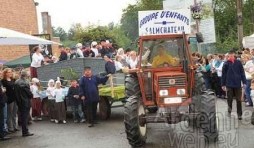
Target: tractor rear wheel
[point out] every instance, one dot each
(132, 86)
(136, 134)
(207, 117)
(104, 108)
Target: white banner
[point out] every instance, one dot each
(164, 22)
(207, 26)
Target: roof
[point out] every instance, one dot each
(24, 61)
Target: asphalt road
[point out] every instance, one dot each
(111, 134)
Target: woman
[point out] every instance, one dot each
(206, 70)
(218, 67)
(118, 63)
(249, 69)
(37, 59)
(120, 52)
(12, 109)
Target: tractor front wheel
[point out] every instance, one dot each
(132, 86)
(136, 134)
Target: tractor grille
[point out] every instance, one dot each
(179, 81)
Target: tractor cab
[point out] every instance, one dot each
(164, 76)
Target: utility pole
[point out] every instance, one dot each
(197, 29)
(240, 23)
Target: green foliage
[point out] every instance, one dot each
(59, 32)
(69, 74)
(93, 33)
(226, 23)
(97, 33)
(69, 43)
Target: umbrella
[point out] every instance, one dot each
(11, 37)
(25, 61)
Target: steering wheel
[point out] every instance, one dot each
(165, 64)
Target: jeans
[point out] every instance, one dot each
(12, 110)
(1, 121)
(77, 110)
(247, 92)
(207, 82)
(5, 129)
(220, 92)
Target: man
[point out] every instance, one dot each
(105, 49)
(24, 96)
(74, 53)
(63, 55)
(110, 65)
(232, 77)
(163, 59)
(94, 49)
(89, 93)
(79, 50)
(88, 52)
(2, 104)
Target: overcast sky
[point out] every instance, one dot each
(65, 12)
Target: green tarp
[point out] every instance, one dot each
(119, 92)
(24, 61)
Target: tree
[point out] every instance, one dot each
(73, 30)
(111, 26)
(226, 22)
(59, 32)
(92, 33)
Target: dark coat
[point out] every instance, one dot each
(88, 87)
(10, 92)
(2, 96)
(71, 92)
(87, 53)
(233, 74)
(63, 56)
(110, 67)
(104, 51)
(23, 93)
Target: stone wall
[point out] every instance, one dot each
(18, 15)
(53, 71)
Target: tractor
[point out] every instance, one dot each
(164, 88)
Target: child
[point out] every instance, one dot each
(51, 100)
(88, 90)
(60, 105)
(76, 102)
(36, 100)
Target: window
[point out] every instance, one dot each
(162, 52)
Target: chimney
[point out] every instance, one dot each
(46, 23)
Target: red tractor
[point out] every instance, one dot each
(160, 86)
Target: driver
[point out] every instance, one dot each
(162, 59)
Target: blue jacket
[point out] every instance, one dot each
(233, 74)
(88, 87)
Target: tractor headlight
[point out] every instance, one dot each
(163, 92)
(180, 91)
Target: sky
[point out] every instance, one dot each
(66, 12)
